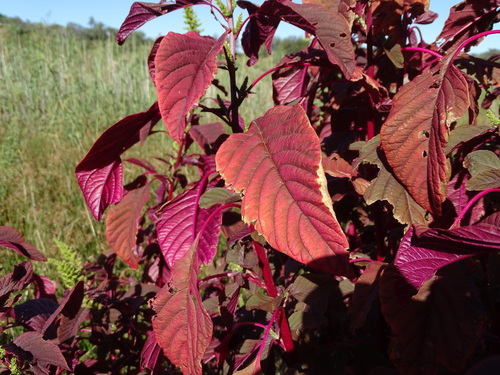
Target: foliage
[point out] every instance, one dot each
(333, 234)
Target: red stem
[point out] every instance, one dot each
(420, 49)
(474, 199)
(201, 189)
(286, 335)
(243, 24)
(266, 269)
(212, 215)
(271, 71)
(471, 39)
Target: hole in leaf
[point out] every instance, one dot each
(343, 35)
(424, 154)
(332, 44)
(435, 85)
(423, 133)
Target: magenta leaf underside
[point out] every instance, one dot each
(100, 173)
(177, 228)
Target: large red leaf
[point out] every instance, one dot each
(100, 173)
(122, 224)
(182, 326)
(185, 66)
(284, 188)
(141, 12)
(12, 239)
(180, 222)
(416, 131)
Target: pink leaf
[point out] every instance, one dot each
(122, 224)
(416, 131)
(284, 188)
(179, 224)
(100, 173)
(420, 256)
(185, 66)
(182, 326)
(289, 82)
(14, 240)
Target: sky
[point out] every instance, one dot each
(113, 12)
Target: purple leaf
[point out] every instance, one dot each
(14, 240)
(185, 67)
(152, 354)
(100, 172)
(180, 222)
(16, 280)
(205, 135)
(260, 30)
(40, 353)
(151, 59)
(289, 82)
(141, 12)
(420, 256)
(69, 306)
(44, 287)
(34, 312)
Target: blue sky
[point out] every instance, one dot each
(113, 12)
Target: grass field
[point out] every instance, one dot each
(58, 93)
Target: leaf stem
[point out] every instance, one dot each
(420, 49)
(201, 189)
(286, 335)
(474, 199)
(471, 39)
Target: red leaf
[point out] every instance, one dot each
(141, 12)
(259, 31)
(39, 352)
(466, 19)
(417, 128)
(180, 222)
(289, 82)
(100, 173)
(16, 280)
(333, 33)
(12, 239)
(420, 256)
(284, 188)
(205, 135)
(182, 326)
(122, 224)
(185, 67)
